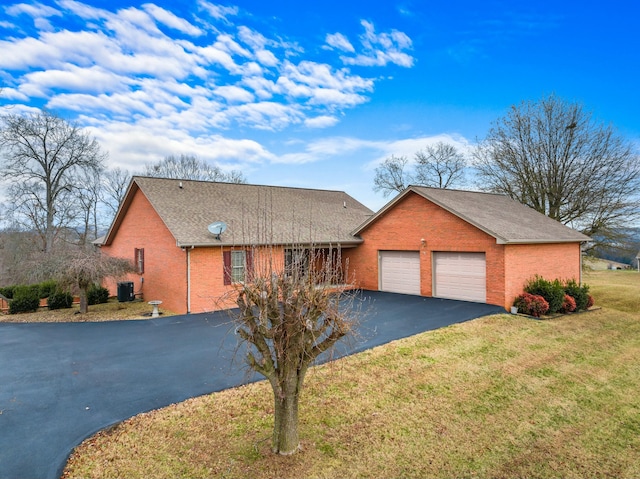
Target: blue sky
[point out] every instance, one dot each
(312, 94)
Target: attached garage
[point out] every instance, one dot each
(400, 271)
(464, 245)
(460, 276)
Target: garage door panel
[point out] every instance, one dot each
(400, 272)
(460, 276)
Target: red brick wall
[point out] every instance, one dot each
(413, 219)
(165, 264)
(551, 261)
(208, 291)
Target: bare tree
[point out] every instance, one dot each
(391, 176)
(553, 156)
(88, 195)
(288, 317)
(42, 156)
(438, 166)
(188, 167)
(114, 186)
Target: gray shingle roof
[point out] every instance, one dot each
(254, 214)
(497, 215)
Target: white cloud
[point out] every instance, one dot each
(379, 49)
(146, 80)
(325, 149)
(339, 41)
(323, 121)
(35, 10)
(171, 20)
(218, 12)
(234, 94)
(133, 146)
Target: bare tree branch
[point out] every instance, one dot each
(187, 167)
(553, 156)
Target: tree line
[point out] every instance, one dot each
(59, 195)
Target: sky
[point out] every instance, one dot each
(312, 94)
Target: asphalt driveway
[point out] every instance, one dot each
(60, 383)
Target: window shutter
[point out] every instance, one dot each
(249, 265)
(226, 260)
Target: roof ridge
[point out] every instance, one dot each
(240, 184)
(460, 191)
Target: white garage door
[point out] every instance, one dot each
(400, 272)
(460, 276)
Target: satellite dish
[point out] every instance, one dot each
(217, 228)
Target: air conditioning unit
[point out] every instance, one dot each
(125, 291)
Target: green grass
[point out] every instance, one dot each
(500, 396)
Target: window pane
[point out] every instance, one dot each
(238, 262)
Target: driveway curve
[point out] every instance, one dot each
(62, 382)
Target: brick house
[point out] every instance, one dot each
(162, 225)
(432, 242)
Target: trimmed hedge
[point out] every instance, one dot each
(97, 295)
(59, 300)
(47, 288)
(26, 299)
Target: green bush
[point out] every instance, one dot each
(47, 288)
(7, 291)
(551, 291)
(26, 299)
(579, 293)
(59, 300)
(97, 295)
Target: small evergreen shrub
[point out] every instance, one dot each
(47, 288)
(531, 304)
(579, 293)
(97, 295)
(59, 300)
(7, 291)
(26, 299)
(569, 305)
(551, 291)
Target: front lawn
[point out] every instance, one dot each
(501, 396)
(112, 310)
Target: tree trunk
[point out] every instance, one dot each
(285, 439)
(84, 303)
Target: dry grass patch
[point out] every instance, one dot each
(615, 289)
(113, 310)
(500, 396)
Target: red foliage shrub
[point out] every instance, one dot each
(568, 305)
(532, 304)
(590, 301)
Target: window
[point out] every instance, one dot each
(296, 261)
(138, 259)
(238, 266)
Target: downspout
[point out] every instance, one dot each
(189, 280)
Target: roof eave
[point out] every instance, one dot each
(321, 244)
(541, 241)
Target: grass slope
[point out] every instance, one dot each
(501, 396)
